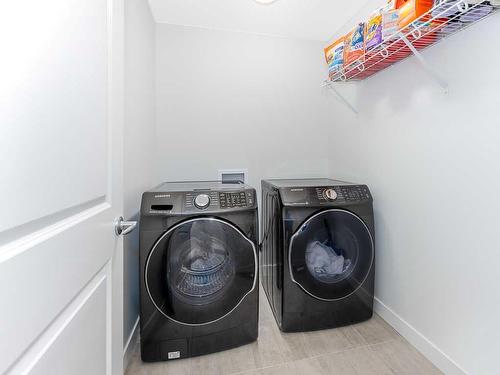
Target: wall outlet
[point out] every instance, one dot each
(233, 175)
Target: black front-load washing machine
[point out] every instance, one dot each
(198, 269)
(318, 252)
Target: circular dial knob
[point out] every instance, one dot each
(202, 201)
(330, 194)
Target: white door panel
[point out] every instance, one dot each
(61, 114)
(76, 343)
(53, 137)
(41, 276)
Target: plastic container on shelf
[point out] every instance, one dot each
(417, 22)
(411, 10)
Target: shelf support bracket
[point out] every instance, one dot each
(428, 69)
(341, 97)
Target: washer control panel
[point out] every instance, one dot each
(215, 200)
(236, 199)
(201, 200)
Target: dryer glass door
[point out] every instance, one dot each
(200, 270)
(331, 254)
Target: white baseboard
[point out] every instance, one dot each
(128, 350)
(419, 341)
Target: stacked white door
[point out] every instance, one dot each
(61, 78)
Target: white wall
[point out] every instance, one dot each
(432, 161)
(139, 139)
(229, 100)
(238, 100)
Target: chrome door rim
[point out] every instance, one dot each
(292, 238)
(171, 230)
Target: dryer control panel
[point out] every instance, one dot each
(325, 195)
(354, 193)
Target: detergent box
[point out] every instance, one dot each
(354, 49)
(390, 23)
(334, 56)
(373, 33)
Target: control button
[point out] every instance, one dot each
(202, 201)
(331, 194)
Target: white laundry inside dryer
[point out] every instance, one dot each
(323, 261)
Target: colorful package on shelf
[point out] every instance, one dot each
(334, 55)
(374, 31)
(375, 59)
(390, 23)
(398, 14)
(410, 10)
(393, 32)
(354, 49)
(425, 29)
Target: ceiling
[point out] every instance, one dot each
(304, 19)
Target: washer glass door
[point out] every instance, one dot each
(200, 270)
(331, 254)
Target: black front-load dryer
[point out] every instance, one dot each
(198, 269)
(318, 252)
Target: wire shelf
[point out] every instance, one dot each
(446, 18)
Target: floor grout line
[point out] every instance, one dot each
(340, 351)
(286, 353)
(364, 344)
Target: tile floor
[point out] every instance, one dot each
(371, 347)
